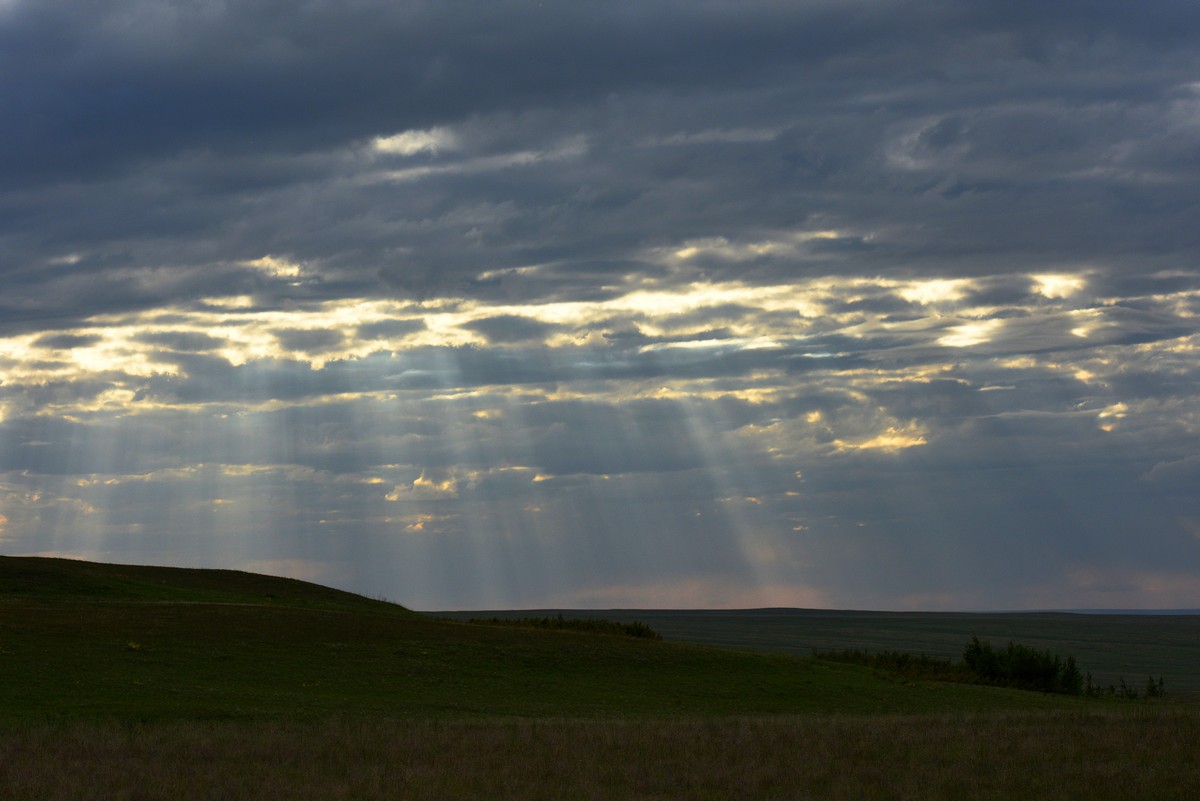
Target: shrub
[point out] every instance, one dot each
(1023, 667)
(1155, 688)
(1016, 666)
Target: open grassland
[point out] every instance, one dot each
(1110, 646)
(104, 641)
(1118, 756)
(151, 661)
(150, 683)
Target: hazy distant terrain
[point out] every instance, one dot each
(1110, 645)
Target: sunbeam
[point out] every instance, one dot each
(550, 317)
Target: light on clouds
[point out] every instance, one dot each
(481, 308)
(973, 333)
(409, 143)
(937, 290)
(1059, 286)
(275, 267)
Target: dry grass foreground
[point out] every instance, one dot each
(1134, 754)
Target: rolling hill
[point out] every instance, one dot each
(87, 640)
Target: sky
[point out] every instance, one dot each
(480, 304)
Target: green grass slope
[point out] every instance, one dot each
(86, 641)
(30, 579)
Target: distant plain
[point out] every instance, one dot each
(1110, 645)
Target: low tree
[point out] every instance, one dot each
(1023, 667)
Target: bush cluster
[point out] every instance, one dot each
(1023, 667)
(1017, 666)
(592, 625)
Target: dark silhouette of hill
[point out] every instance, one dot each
(64, 580)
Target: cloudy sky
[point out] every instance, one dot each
(479, 303)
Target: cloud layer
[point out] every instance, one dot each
(497, 304)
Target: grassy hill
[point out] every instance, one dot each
(26, 579)
(122, 682)
(84, 640)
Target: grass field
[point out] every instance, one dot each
(148, 683)
(1111, 646)
(134, 644)
(1099, 756)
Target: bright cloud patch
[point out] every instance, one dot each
(973, 333)
(410, 143)
(895, 438)
(424, 489)
(1059, 286)
(276, 267)
(935, 290)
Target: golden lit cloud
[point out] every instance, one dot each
(973, 333)
(1109, 416)
(275, 267)
(750, 316)
(229, 302)
(895, 438)
(1088, 320)
(1058, 285)
(424, 488)
(723, 248)
(420, 522)
(937, 290)
(719, 247)
(410, 143)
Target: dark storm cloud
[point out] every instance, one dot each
(511, 328)
(182, 341)
(310, 341)
(154, 136)
(389, 329)
(148, 79)
(67, 341)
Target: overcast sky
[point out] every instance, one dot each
(642, 303)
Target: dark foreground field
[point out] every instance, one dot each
(1136, 754)
(148, 683)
